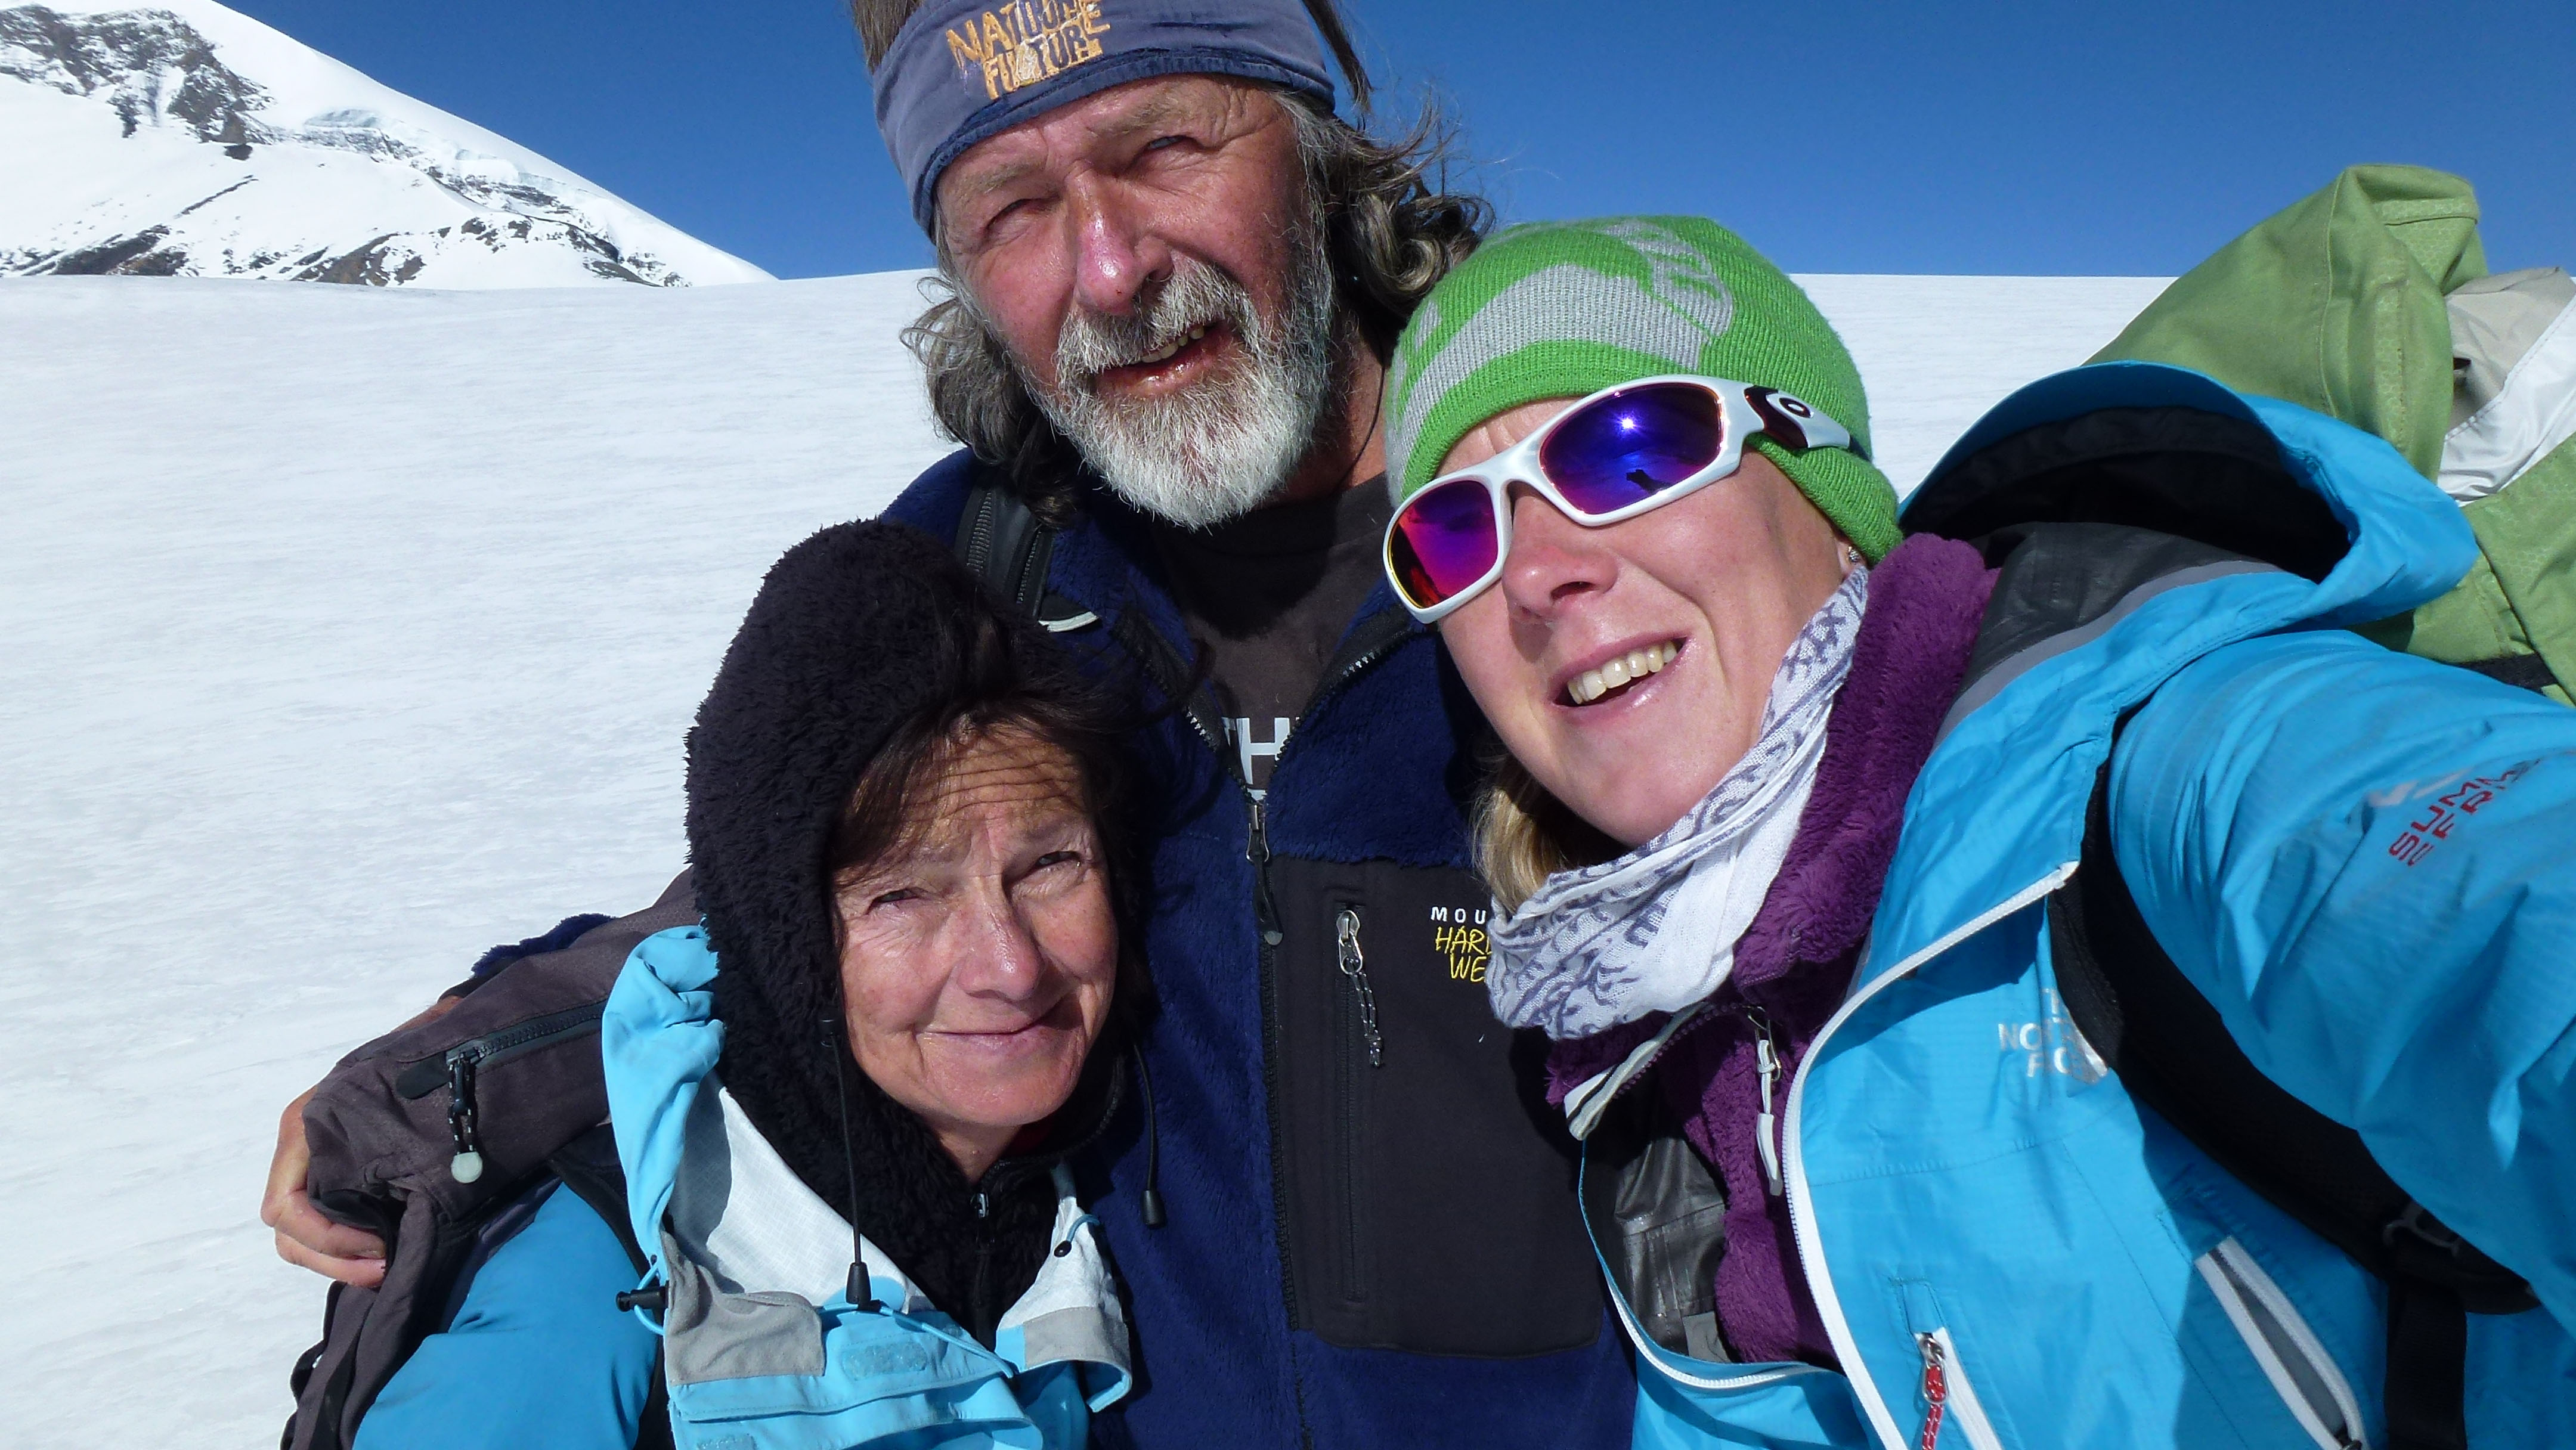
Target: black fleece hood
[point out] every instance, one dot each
(856, 632)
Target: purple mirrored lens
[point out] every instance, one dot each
(1633, 444)
(1444, 540)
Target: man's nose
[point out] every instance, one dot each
(1116, 255)
(1554, 560)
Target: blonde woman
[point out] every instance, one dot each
(1842, 869)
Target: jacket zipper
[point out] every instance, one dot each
(1936, 1392)
(1802, 1213)
(1155, 653)
(1948, 1396)
(983, 1282)
(979, 541)
(1357, 1012)
(458, 1068)
(1266, 913)
(1354, 964)
(1766, 1067)
(2282, 1344)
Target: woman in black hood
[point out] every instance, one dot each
(880, 743)
(843, 1103)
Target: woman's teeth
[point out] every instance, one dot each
(1184, 340)
(1635, 665)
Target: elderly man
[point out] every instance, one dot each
(1175, 275)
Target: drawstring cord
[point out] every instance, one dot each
(862, 1298)
(862, 1295)
(1153, 1201)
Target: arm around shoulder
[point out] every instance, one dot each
(2367, 862)
(351, 1131)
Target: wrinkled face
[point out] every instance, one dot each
(1697, 601)
(979, 951)
(1147, 258)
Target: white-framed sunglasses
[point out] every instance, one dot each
(1612, 456)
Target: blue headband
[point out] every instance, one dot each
(962, 70)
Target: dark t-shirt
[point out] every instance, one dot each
(1268, 597)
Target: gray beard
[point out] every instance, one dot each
(1228, 444)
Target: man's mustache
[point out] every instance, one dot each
(1196, 297)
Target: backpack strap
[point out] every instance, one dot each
(588, 1166)
(1005, 544)
(2174, 1053)
(2527, 672)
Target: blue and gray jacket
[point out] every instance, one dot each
(762, 1347)
(755, 1336)
(2361, 859)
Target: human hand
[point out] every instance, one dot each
(305, 1237)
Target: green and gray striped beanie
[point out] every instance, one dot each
(1561, 309)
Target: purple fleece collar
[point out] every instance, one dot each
(1795, 962)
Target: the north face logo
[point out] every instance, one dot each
(1026, 41)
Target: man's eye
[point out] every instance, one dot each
(889, 898)
(1005, 219)
(1159, 142)
(1056, 858)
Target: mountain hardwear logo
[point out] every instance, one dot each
(1027, 41)
(1458, 935)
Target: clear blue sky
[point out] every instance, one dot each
(2061, 137)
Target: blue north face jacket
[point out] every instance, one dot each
(2365, 861)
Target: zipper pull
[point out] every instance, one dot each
(983, 1205)
(1766, 1065)
(1256, 849)
(1346, 935)
(467, 1165)
(1936, 1391)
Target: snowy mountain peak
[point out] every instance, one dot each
(183, 138)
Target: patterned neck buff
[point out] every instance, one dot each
(1655, 930)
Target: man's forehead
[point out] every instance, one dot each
(1111, 115)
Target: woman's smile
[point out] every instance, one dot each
(1056, 1029)
(1618, 674)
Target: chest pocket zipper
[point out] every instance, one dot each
(1948, 1397)
(1351, 1111)
(1346, 938)
(2289, 1352)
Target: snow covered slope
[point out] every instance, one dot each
(351, 631)
(177, 137)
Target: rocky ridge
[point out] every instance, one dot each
(170, 157)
